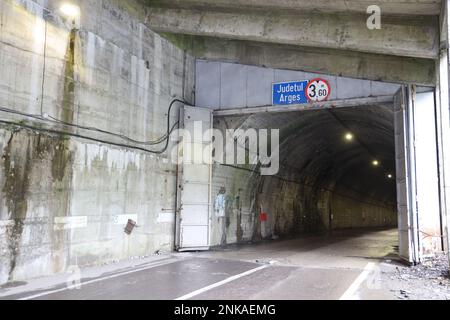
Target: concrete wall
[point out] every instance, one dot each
(64, 200)
(350, 212)
(222, 85)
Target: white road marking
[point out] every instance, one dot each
(156, 264)
(221, 283)
(350, 293)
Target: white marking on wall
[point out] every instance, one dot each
(133, 80)
(166, 217)
(90, 56)
(114, 158)
(35, 75)
(141, 38)
(157, 58)
(69, 223)
(123, 219)
(117, 64)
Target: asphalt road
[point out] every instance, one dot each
(315, 268)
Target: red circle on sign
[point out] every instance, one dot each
(318, 80)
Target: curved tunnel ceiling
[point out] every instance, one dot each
(313, 149)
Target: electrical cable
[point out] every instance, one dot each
(54, 120)
(48, 118)
(165, 138)
(58, 132)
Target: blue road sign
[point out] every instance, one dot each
(287, 93)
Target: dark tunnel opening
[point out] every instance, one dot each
(337, 172)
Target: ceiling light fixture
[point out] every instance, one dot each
(70, 10)
(349, 137)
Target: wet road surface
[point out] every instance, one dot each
(317, 268)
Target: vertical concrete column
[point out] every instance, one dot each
(443, 118)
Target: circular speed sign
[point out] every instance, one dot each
(318, 90)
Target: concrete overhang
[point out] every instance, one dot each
(326, 61)
(409, 36)
(329, 37)
(404, 7)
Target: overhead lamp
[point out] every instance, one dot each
(70, 10)
(390, 176)
(349, 137)
(376, 163)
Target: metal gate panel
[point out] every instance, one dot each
(420, 227)
(194, 181)
(427, 174)
(404, 201)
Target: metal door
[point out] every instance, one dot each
(405, 179)
(420, 225)
(194, 180)
(427, 173)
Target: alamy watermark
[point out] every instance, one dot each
(254, 147)
(374, 20)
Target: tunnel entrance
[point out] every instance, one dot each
(364, 158)
(337, 172)
(340, 169)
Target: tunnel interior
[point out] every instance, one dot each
(337, 172)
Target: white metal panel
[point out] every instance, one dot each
(194, 238)
(194, 181)
(195, 193)
(443, 121)
(193, 215)
(427, 174)
(198, 172)
(420, 227)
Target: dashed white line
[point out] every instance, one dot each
(221, 283)
(350, 293)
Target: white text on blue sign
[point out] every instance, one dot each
(287, 93)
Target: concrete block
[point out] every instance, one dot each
(383, 88)
(352, 88)
(289, 75)
(259, 86)
(233, 85)
(208, 84)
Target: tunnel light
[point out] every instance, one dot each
(70, 10)
(390, 176)
(349, 137)
(376, 163)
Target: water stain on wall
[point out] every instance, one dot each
(15, 190)
(32, 160)
(67, 111)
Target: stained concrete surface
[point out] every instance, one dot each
(66, 201)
